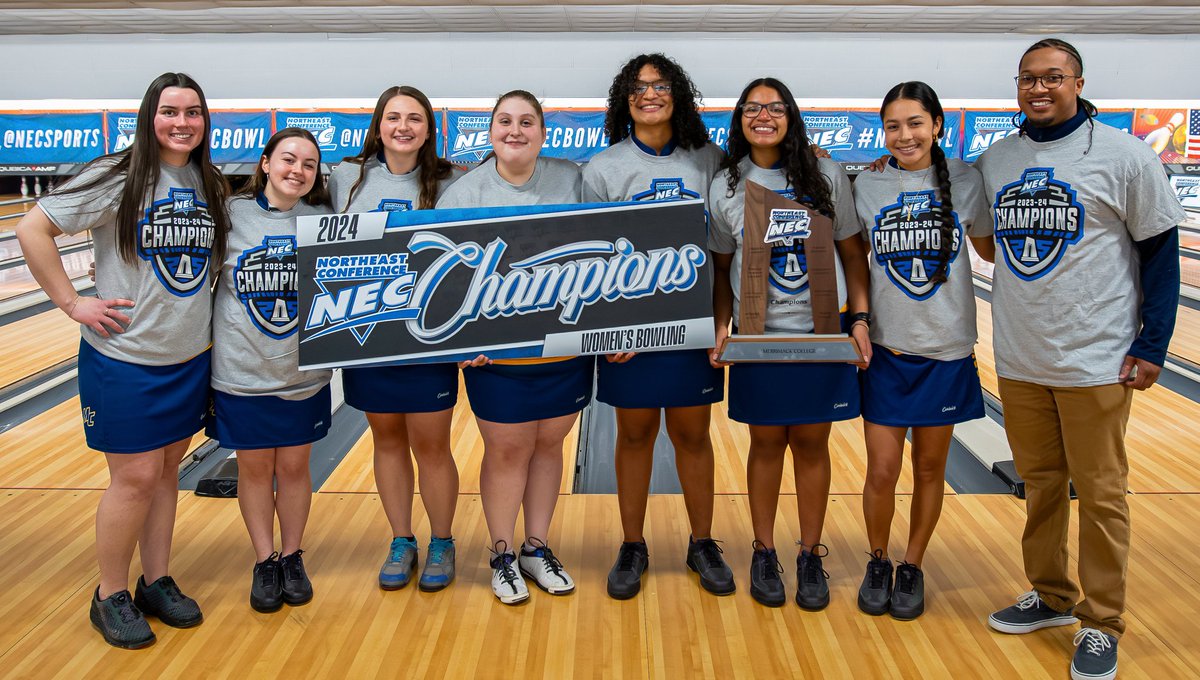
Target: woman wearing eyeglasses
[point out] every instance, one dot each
(659, 152)
(786, 404)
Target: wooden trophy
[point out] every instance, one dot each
(770, 218)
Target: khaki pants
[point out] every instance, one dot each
(1078, 434)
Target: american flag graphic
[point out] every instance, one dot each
(1192, 146)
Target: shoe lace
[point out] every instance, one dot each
(553, 565)
(1096, 641)
(711, 552)
(810, 566)
(626, 556)
(906, 577)
(399, 547)
(125, 608)
(1028, 600)
(877, 569)
(268, 569)
(768, 561)
(293, 566)
(437, 550)
(172, 591)
(502, 560)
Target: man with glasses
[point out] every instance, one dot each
(1084, 295)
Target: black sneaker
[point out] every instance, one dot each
(297, 589)
(704, 558)
(625, 577)
(765, 585)
(813, 591)
(1095, 655)
(1027, 615)
(266, 589)
(163, 599)
(908, 598)
(119, 621)
(875, 593)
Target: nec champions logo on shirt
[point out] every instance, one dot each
(907, 239)
(176, 237)
(1037, 219)
(265, 281)
(393, 205)
(666, 189)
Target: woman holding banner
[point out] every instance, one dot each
(263, 406)
(659, 150)
(768, 145)
(144, 359)
(408, 407)
(915, 213)
(524, 407)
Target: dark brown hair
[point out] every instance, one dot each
(317, 195)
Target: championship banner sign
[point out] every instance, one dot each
(517, 282)
(43, 138)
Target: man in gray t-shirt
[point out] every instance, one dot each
(1084, 298)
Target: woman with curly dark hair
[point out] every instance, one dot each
(659, 152)
(768, 145)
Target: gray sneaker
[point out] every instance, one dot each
(120, 621)
(401, 561)
(1027, 615)
(1095, 655)
(439, 565)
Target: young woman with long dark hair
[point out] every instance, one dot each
(156, 213)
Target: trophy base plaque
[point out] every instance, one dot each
(789, 348)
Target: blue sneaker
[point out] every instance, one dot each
(439, 565)
(398, 568)
(1095, 655)
(1027, 615)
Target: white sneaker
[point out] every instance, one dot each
(538, 562)
(507, 583)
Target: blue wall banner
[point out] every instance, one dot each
(50, 137)
(239, 136)
(857, 136)
(574, 134)
(119, 127)
(982, 128)
(717, 122)
(339, 133)
(467, 136)
(528, 281)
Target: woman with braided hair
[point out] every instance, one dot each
(922, 375)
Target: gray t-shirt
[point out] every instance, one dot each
(1066, 298)
(380, 189)
(255, 320)
(624, 172)
(900, 218)
(554, 181)
(169, 282)
(789, 308)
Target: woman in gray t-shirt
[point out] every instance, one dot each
(409, 408)
(264, 406)
(156, 212)
(917, 214)
(524, 407)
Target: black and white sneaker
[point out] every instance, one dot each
(765, 585)
(507, 584)
(1095, 655)
(120, 621)
(875, 593)
(1027, 615)
(813, 591)
(625, 577)
(539, 563)
(908, 597)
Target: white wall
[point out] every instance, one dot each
(575, 65)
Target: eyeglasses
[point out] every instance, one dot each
(1051, 81)
(660, 88)
(774, 109)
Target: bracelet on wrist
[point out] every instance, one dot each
(864, 317)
